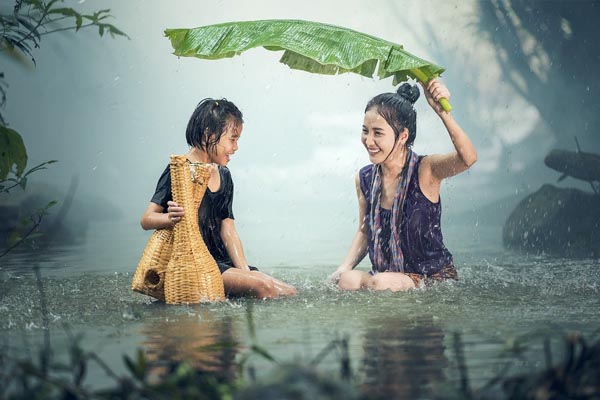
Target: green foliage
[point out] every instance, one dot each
(21, 179)
(28, 379)
(12, 153)
(22, 31)
(28, 228)
(574, 376)
(13, 160)
(308, 46)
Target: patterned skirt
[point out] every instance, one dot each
(448, 272)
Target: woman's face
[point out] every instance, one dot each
(227, 144)
(378, 138)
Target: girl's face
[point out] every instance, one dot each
(378, 138)
(227, 144)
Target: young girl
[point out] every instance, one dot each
(399, 196)
(212, 133)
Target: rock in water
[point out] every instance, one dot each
(561, 222)
(580, 165)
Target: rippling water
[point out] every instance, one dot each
(399, 343)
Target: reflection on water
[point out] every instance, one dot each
(403, 358)
(202, 341)
(398, 341)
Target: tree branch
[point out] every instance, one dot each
(36, 224)
(39, 23)
(66, 29)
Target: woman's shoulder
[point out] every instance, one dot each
(365, 177)
(367, 169)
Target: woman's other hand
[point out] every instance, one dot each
(335, 277)
(434, 91)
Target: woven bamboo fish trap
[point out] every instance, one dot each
(176, 266)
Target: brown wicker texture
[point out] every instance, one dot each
(149, 276)
(192, 273)
(176, 265)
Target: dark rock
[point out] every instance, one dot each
(562, 222)
(579, 165)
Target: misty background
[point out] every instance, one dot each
(113, 110)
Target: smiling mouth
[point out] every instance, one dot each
(373, 151)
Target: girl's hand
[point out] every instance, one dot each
(434, 91)
(174, 212)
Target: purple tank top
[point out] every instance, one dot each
(420, 228)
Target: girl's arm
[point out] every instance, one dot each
(443, 166)
(233, 244)
(154, 218)
(358, 248)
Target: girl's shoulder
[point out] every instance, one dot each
(225, 175)
(224, 171)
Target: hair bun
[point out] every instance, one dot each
(409, 92)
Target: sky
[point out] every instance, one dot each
(113, 110)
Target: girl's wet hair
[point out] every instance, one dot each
(398, 111)
(209, 121)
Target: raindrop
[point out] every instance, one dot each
(128, 314)
(30, 325)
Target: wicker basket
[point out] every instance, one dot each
(149, 277)
(176, 266)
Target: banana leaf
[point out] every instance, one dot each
(309, 46)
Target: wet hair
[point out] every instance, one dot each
(398, 110)
(209, 121)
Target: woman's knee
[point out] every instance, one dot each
(351, 280)
(383, 282)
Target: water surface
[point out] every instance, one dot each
(501, 296)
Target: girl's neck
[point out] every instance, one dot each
(198, 155)
(394, 165)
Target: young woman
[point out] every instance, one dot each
(212, 133)
(399, 196)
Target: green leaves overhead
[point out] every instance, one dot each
(96, 19)
(308, 46)
(21, 30)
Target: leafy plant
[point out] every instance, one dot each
(20, 33)
(28, 228)
(13, 160)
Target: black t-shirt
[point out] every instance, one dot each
(214, 208)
